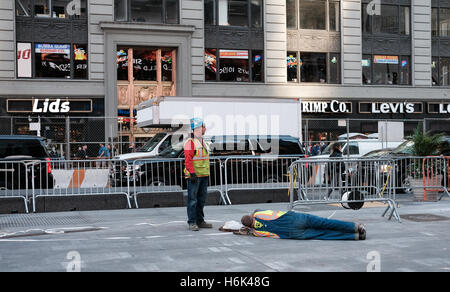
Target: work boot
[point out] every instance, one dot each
(362, 231)
(205, 225)
(193, 227)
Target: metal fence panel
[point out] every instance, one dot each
(349, 182)
(16, 180)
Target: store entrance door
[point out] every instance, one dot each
(142, 74)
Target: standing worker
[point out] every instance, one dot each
(196, 171)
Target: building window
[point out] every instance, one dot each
(144, 64)
(43, 60)
(257, 66)
(149, 11)
(444, 71)
(291, 14)
(334, 66)
(441, 71)
(313, 14)
(80, 61)
(24, 7)
(441, 22)
(292, 67)
(210, 64)
(234, 65)
(334, 16)
(247, 13)
(314, 67)
(386, 70)
(392, 19)
(52, 60)
(51, 8)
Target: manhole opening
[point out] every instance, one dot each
(424, 217)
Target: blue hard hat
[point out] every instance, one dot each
(196, 122)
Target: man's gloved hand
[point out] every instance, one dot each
(193, 178)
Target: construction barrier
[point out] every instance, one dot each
(83, 178)
(167, 176)
(347, 182)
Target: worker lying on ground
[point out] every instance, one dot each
(293, 225)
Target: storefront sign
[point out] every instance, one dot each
(326, 107)
(49, 106)
(390, 107)
(52, 49)
(24, 60)
(378, 59)
(234, 54)
(438, 108)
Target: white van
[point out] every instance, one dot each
(155, 145)
(359, 147)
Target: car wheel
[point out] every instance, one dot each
(406, 186)
(157, 182)
(272, 179)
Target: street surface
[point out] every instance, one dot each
(158, 240)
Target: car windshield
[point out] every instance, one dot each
(33, 148)
(172, 151)
(378, 153)
(327, 150)
(152, 143)
(404, 148)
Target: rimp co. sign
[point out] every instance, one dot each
(324, 107)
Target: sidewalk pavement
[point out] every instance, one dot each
(158, 239)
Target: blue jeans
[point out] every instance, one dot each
(313, 227)
(196, 199)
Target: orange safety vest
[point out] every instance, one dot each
(260, 217)
(200, 160)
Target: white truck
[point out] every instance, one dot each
(222, 116)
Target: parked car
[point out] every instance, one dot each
(403, 165)
(378, 153)
(19, 154)
(167, 169)
(401, 157)
(359, 147)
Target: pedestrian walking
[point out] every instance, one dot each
(196, 153)
(334, 169)
(294, 225)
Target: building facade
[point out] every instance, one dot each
(362, 60)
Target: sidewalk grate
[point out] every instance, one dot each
(34, 220)
(424, 217)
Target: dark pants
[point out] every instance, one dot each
(313, 227)
(196, 199)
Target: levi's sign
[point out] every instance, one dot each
(391, 107)
(49, 106)
(333, 106)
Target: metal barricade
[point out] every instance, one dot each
(167, 176)
(64, 178)
(349, 182)
(265, 172)
(425, 177)
(16, 180)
